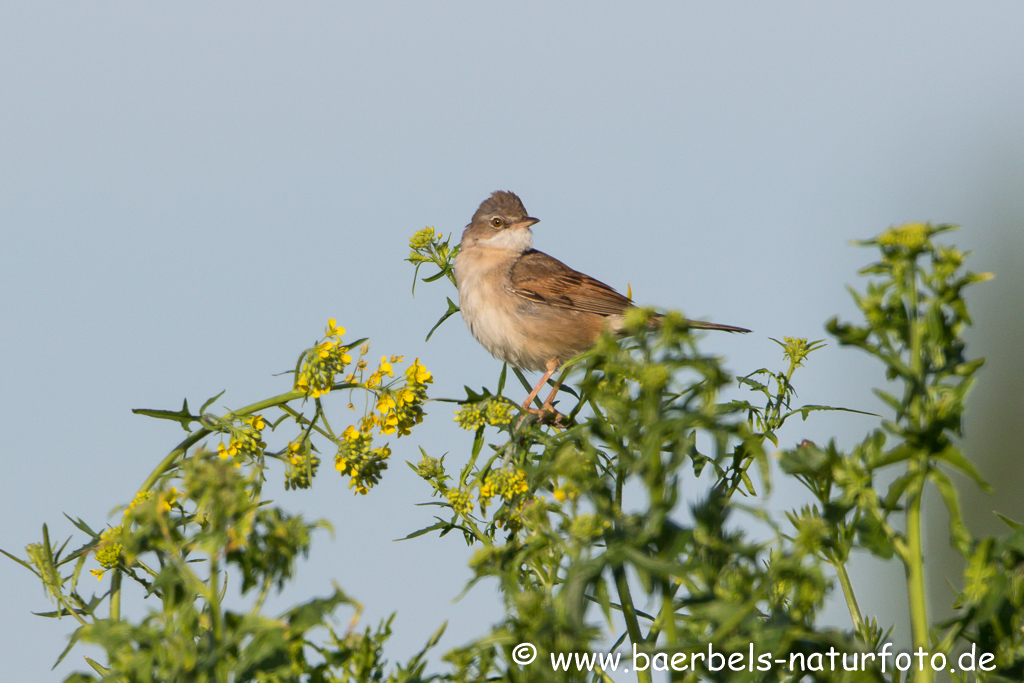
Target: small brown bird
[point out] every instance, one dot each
(527, 308)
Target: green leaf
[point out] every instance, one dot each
(874, 538)
(1016, 526)
(313, 613)
(808, 409)
(209, 402)
(898, 488)
(955, 458)
(438, 275)
(71, 643)
(82, 526)
(501, 378)
(183, 416)
(452, 310)
(23, 563)
(960, 537)
(433, 527)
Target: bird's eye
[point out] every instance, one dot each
(497, 222)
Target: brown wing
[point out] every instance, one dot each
(543, 279)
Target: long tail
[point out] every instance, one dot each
(697, 325)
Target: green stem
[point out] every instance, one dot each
(851, 598)
(622, 585)
(914, 562)
(913, 557)
(168, 462)
(629, 613)
(214, 600)
(115, 596)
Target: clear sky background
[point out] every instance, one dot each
(188, 191)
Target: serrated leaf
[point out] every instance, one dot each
(82, 526)
(183, 416)
(808, 409)
(427, 530)
(310, 614)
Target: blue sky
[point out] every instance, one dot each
(188, 192)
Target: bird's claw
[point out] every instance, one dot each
(546, 414)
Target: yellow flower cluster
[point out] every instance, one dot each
(421, 242)
(300, 466)
(588, 527)
(910, 236)
(796, 349)
(360, 462)
(318, 368)
(108, 551)
(460, 500)
(246, 441)
(511, 486)
(566, 492)
(167, 499)
(430, 468)
(140, 497)
(402, 409)
(494, 411)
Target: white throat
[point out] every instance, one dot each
(516, 240)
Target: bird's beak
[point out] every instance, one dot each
(525, 223)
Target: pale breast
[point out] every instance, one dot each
(490, 309)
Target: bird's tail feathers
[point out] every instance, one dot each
(697, 325)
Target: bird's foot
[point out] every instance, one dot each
(546, 415)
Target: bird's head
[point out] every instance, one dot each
(501, 222)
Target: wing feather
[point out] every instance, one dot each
(544, 279)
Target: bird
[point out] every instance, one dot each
(525, 307)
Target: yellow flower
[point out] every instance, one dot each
(334, 329)
(295, 452)
(385, 367)
(385, 404)
(228, 451)
(140, 497)
(460, 501)
(167, 499)
(323, 349)
(257, 422)
(418, 374)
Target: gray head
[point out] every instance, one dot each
(501, 204)
(500, 222)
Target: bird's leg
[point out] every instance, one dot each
(551, 367)
(549, 401)
(546, 408)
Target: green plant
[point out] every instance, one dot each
(583, 525)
